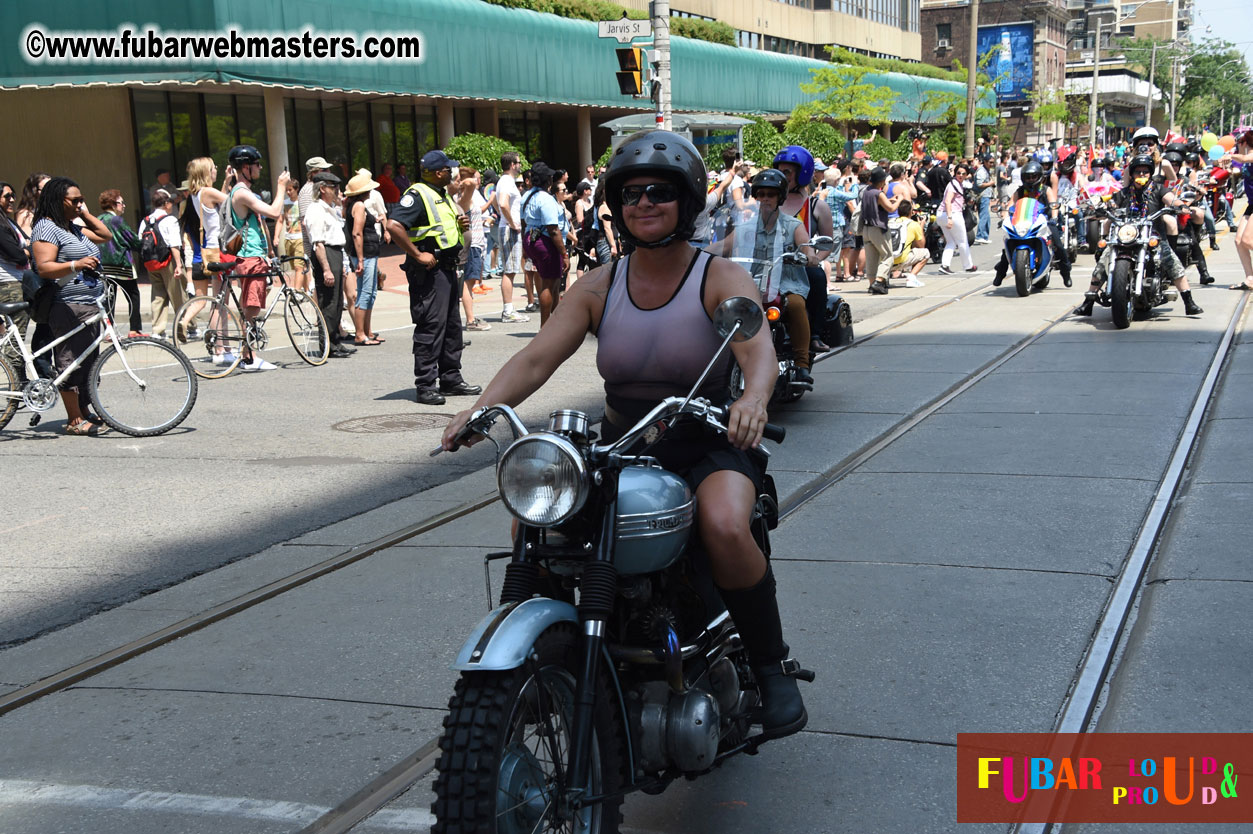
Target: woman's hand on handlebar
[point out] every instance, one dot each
(449, 441)
(746, 420)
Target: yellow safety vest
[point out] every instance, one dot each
(444, 228)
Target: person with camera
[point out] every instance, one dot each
(66, 252)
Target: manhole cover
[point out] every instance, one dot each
(386, 423)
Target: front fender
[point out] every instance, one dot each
(502, 639)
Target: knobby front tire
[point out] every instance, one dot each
(162, 402)
(499, 768)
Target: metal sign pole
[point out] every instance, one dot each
(661, 61)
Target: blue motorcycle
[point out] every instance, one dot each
(1029, 245)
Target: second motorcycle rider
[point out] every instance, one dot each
(651, 314)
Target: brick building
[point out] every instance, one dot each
(1038, 29)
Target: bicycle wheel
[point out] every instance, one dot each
(10, 395)
(307, 328)
(219, 344)
(146, 389)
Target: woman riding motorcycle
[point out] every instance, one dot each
(1036, 187)
(1142, 197)
(772, 233)
(651, 314)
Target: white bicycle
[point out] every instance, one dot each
(141, 387)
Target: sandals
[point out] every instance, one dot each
(1243, 285)
(84, 428)
(366, 343)
(378, 340)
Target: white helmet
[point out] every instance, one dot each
(1146, 133)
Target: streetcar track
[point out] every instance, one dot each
(385, 788)
(64, 678)
(1079, 711)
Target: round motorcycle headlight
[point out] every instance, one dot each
(542, 479)
(1128, 232)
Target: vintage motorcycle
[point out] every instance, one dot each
(611, 665)
(1028, 245)
(1135, 284)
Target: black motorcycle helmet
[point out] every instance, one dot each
(1177, 148)
(769, 178)
(1067, 165)
(1139, 161)
(1032, 173)
(243, 155)
(1193, 159)
(1174, 158)
(1194, 146)
(664, 154)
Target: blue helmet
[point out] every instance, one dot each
(797, 155)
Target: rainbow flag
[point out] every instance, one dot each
(1026, 211)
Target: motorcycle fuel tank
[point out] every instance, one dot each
(655, 511)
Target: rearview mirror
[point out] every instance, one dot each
(738, 310)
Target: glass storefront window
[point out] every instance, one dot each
(336, 128)
(405, 138)
(220, 126)
(462, 120)
(188, 131)
(358, 137)
(383, 128)
(424, 131)
(152, 135)
(251, 110)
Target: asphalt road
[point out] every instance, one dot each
(949, 584)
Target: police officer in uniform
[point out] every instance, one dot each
(427, 227)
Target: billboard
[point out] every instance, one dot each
(1013, 67)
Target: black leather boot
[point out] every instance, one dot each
(1213, 243)
(1190, 307)
(755, 611)
(1201, 266)
(1085, 309)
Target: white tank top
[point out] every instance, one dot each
(648, 355)
(210, 223)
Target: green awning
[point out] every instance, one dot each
(473, 50)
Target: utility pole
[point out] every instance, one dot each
(1148, 96)
(661, 61)
(1096, 78)
(1174, 88)
(972, 79)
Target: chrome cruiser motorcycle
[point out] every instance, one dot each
(611, 665)
(1135, 284)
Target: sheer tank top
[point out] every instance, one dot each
(645, 356)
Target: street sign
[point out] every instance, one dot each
(624, 30)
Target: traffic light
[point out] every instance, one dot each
(630, 70)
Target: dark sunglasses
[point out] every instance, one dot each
(658, 193)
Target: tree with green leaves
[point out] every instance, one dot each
(1217, 79)
(842, 95)
(1139, 54)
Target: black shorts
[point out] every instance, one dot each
(693, 452)
(1248, 210)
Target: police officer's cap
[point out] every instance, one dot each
(434, 160)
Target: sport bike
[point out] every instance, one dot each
(1028, 245)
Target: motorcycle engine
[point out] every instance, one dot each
(675, 730)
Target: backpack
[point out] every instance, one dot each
(854, 213)
(898, 233)
(230, 237)
(154, 252)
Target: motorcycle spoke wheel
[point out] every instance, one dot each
(506, 745)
